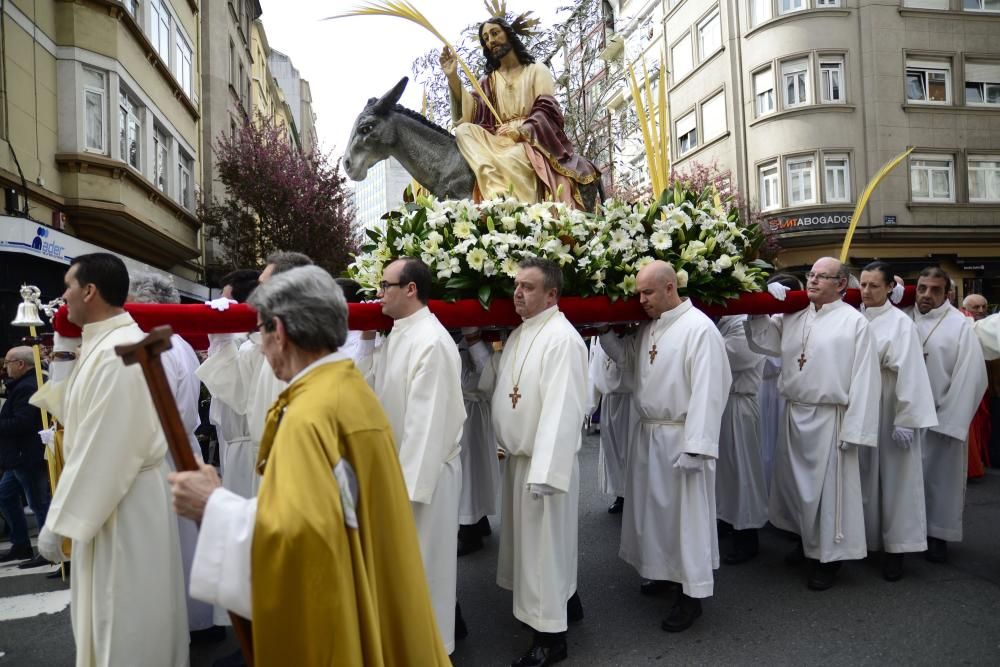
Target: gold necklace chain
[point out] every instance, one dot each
(509, 82)
(515, 396)
(806, 333)
(652, 348)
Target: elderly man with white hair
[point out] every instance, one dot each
(831, 382)
(326, 560)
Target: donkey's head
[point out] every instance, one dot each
(373, 134)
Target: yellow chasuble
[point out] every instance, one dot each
(336, 572)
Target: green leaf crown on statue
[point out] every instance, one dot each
(473, 249)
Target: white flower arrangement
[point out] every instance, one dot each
(473, 250)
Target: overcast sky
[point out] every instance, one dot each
(349, 60)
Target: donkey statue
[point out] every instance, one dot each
(427, 151)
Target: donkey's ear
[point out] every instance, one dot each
(389, 100)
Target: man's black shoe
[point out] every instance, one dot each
(823, 576)
(37, 561)
(617, 506)
(658, 588)
(682, 614)
(470, 539)
(484, 526)
(796, 556)
(892, 566)
(547, 649)
(574, 609)
(745, 547)
(211, 635)
(937, 550)
(17, 552)
(461, 630)
(723, 528)
(58, 573)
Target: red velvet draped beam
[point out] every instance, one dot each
(194, 322)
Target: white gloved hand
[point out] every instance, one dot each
(896, 295)
(537, 491)
(48, 436)
(903, 436)
(778, 291)
(50, 546)
(221, 304)
(689, 464)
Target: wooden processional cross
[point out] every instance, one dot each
(147, 353)
(802, 360)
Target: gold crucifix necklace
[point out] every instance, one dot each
(515, 396)
(806, 332)
(652, 348)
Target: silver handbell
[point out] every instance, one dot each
(27, 311)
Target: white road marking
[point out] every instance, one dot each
(33, 604)
(11, 570)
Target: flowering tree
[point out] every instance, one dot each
(278, 199)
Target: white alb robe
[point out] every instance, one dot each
(988, 331)
(892, 477)
(832, 399)
(614, 387)
(114, 503)
(417, 375)
(480, 467)
(239, 376)
(772, 413)
(541, 435)
(233, 435)
(740, 485)
(668, 526)
(957, 372)
(179, 365)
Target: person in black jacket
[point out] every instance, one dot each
(22, 465)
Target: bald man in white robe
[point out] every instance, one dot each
(831, 382)
(681, 376)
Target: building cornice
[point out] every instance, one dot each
(795, 16)
(117, 11)
(951, 14)
(89, 162)
(798, 111)
(953, 109)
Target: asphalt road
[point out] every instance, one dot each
(762, 611)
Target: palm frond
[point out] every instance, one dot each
(406, 10)
(865, 195)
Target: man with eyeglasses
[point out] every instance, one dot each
(22, 467)
(957, 372)
(417, 375)
(831, 381)
(236, 374)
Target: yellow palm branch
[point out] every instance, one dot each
(405, 10)
(647, 140)
(655, 133)
(664, 128)
(865, 195)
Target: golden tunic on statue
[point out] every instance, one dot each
(499, 162)
(336, 572)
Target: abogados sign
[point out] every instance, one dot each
(824, 220)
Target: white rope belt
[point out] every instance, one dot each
(661, 422)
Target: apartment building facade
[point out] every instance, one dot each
(298, 95)
(803, 101)
(267, 99)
